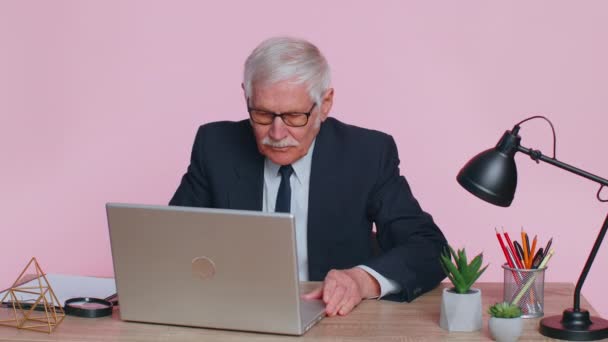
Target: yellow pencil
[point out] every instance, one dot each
(526, 286)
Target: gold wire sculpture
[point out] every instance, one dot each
(24, 316)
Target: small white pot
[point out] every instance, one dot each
(460, 311)
(506, 329)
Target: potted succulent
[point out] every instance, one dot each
(505, 323)
(461, 304)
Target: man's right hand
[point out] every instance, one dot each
(343, 290)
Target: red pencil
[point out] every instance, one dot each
(512, 247)
(509, 258)
(504, 249)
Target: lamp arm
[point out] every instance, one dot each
(590, 258)
(537, 155)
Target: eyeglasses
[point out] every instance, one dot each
(292, 119)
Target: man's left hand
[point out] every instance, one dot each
(342, 290)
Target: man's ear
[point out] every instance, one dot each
(244, 93)
(326, 103)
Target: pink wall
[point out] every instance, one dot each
(99, 101)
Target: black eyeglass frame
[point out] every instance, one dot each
(282, 115)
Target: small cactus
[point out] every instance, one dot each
(462, 273)
(504, 310)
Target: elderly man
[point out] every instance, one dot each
(337, 180)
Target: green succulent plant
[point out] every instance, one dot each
(462, 273)
(504, 310)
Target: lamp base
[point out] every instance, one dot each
(575, 326)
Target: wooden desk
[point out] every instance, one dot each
(372, 320)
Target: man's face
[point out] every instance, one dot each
(280, 143)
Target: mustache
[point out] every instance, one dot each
(286, 142)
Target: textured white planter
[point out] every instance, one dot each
(460, 312)
(506, 329)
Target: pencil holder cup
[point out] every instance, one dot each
(525, 287)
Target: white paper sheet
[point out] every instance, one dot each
(70, 286)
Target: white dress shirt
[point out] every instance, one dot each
(299, 182)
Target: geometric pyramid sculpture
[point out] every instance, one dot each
(44, 313)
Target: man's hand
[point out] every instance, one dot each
(342, 290)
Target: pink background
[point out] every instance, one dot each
(100, 101)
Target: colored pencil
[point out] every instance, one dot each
(504, 249)
(510, 258)
(525, 247)
(519, 250)
(531, 280)
(532, 252)
(512, 247)
(548, 246)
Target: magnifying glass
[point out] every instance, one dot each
(88, 307)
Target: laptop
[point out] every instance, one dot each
(211, 268)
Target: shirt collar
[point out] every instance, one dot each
(301, 167)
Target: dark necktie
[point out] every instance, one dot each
(283, 204)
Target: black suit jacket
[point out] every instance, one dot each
(354, 183)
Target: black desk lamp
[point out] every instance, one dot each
(492, 176)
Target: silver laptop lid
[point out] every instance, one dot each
(206, 267)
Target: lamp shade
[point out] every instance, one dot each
(492, 174)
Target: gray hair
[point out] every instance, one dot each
(285, 58)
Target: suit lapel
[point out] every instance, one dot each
(319, 198)
(246, 192)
